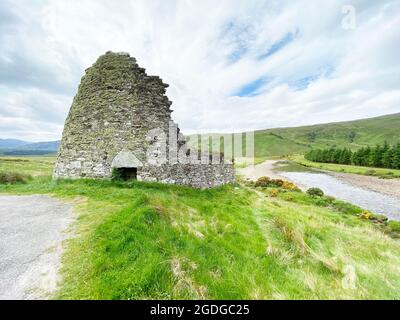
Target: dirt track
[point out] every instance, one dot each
(32, 229)
(260, 170)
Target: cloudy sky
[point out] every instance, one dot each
(232, 64)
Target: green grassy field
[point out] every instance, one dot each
(149, 241)
(33, 166)
(379, 172)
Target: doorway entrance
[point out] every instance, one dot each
(127, 174)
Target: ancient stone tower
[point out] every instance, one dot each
(120, 121)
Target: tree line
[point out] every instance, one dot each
(385, 156)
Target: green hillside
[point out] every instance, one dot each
(270, 144)
(352, 134)
(297, 140)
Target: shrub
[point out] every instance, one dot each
(315, 192)
(13, 178)
(263, 182)
(366, 215)
(274, 193)
(290, 186)
(277, 182)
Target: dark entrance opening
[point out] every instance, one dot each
(127, 174)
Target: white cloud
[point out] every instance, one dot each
(207, 51)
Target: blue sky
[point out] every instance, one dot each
(278, 45)
(252, 88)
(232, 65)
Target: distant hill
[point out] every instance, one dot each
(44, 146)
(22, 148)
(11, 143)
(351, 134)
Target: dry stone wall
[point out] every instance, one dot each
(120, 118)
(195, 175)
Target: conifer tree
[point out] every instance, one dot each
(396, 157)
(387, 158)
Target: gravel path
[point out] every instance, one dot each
(390, 187)
(32, 229)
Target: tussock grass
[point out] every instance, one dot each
(13, 178)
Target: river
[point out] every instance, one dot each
(377, 202)
(370, 200)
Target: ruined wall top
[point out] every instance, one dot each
(120, 72)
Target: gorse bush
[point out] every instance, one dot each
(273, 193)
(290, 186)
(277, 182)
(263, 182)
(367, 215)
(315, 192)
(13, 178)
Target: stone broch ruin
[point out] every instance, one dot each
(120, 120)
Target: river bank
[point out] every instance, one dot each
(371, 193)
(275, 169)
(344, 168)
